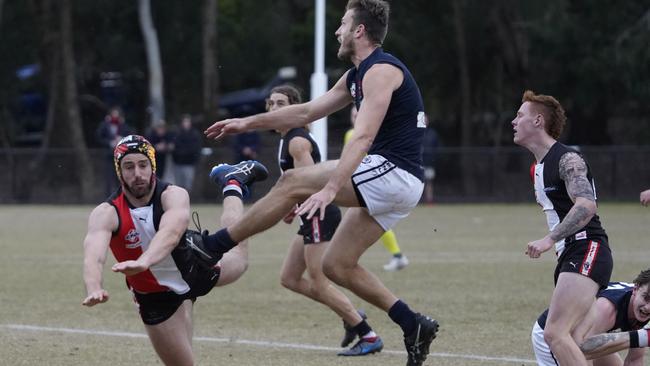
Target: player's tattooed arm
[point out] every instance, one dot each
(573, 170)
(604, 344)
(596, 342)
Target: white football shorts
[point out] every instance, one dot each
(542, 350)
(390, 193)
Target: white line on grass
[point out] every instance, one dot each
(268, 344)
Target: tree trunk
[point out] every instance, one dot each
(8, 150)
(210, 74)
(465, 96)
(4, 138)
(1, 5)
(72, 115)
(513, 41)
(153, 61)
(52, 104)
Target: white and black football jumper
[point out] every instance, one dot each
(587, 250)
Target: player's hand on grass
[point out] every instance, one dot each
(129, 268)
(535, 248)
(95, 297)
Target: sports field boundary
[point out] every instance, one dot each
(265, 344)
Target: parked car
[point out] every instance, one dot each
(29, 107)
(250, 101)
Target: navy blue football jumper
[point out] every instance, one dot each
(399, 138)
(619, 294)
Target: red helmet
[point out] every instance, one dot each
(134, 144)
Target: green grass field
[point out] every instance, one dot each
(468, 270)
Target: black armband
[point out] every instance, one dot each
(634, 339)
(639, 338)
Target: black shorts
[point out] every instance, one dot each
(157, 307)
(588, 257)
(315, 231)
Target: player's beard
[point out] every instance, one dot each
(139, 189)
(346, 49)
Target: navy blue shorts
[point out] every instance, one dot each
(315, 231)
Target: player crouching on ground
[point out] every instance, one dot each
(621, 306)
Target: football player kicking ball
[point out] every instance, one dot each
(379, 176)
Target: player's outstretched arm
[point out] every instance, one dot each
(173, 223)
(295, 115)
(101, 223)
(606, 343)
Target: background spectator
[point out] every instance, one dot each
(163, 142)
(187, 151)
(109, 132)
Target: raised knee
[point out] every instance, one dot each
(287, 180)
(291, 185)
(237, 259)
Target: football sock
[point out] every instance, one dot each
(370, 336)
(401, 314)
(219, 242)
(232, 188)
(390, 242)
(362, 328)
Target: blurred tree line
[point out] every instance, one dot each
(472, 60)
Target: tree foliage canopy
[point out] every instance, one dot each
(594, 56)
